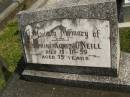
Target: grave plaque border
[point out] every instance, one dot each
(103, 11)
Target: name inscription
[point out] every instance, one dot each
(79, 42)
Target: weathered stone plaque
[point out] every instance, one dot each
(79, 42)
(73, 34)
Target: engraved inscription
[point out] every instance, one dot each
(79, 42)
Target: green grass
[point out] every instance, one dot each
(125, 39)
(10, 47)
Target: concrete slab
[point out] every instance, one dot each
(21, 88)
(120, 83)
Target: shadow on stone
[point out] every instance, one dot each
(20, 66)
(120, 10)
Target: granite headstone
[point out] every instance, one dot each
(73, 36)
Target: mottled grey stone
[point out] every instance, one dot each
(122, 82)
(84, 9)
(120, 87)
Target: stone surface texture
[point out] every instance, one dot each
(21, 88)
(122, 82)
(79, 42)
(72, 9)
